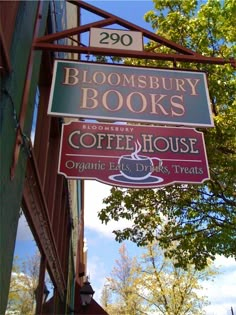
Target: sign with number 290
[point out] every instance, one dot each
(116, 39)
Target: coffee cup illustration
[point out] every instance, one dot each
(138, 167)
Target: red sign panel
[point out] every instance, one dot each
(132, 156)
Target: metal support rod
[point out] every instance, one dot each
(183, 54)
(133, 54)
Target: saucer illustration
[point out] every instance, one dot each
(149, 180)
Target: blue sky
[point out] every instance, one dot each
(130, 10)
(102, 248)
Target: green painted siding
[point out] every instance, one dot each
(11, 94)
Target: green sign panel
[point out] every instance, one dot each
(122, 93)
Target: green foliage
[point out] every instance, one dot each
(200, 219)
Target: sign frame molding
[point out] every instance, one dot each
(137, 186)
(139, 119)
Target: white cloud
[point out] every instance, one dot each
(95, 192)
(223, 262)
(221, 292)
(219, 310)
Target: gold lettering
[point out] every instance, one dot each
(155, 99)
(91, 143)
(128, 80)
(70, 76)
(164, 142)
(71, 140)
(177, 105)
(183, 142)
(192, 85)
(119, 103)
(129, 138)
(99, 78)
(147, 143)
(154, 84)
(120, 138)
(89, 94)
(113, 78)
(164, 80)
(193, 141)
(85, 79)
(180, 85)
(142, 81)
(143, 100)
(110, 138)
(100, 136)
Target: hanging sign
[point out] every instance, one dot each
(132, 156)
(116, 39)
(121, 93)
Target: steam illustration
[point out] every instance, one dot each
(138, 148)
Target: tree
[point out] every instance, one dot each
(24, 281)
(170, 290)
(152, 284)
(106, 296)
(123, 287)
(200, 219)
